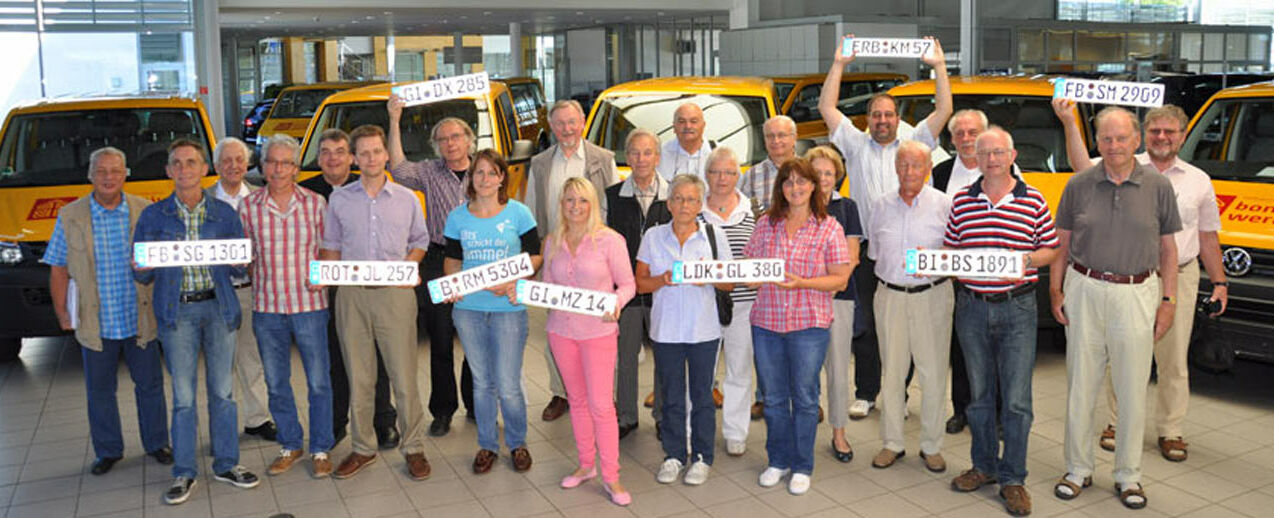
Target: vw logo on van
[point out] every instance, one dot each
(1237, 261)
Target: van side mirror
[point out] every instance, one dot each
(522, 150)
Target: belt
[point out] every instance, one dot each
(1112, 277)
(995, 298)
(914, 289)
(198, 296)
(1186, 264)
(244, 284)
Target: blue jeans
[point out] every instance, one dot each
(493, 343)
(787, 364)
(200, 325)
(101, 376)
(999, 353)
(276, 332)
(672, 360)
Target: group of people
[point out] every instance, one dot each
(845, 293)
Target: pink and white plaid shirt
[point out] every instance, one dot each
(284, 241)
(818, 243)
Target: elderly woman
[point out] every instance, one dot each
(488, 228)
(731, 211)
(831, 170)
(581, 252)
(684, 328)
(790, 319)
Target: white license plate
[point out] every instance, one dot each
(480, 278)
(1124, 93)
(999, 264)
(887, 47)
(741, 270)
(566, 298)
(364, 273)
(443, 89)
(206, 252)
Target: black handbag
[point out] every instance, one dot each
(1210, 351)
(725, 304)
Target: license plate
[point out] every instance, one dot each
(742, 270)
(480, 278)
(999, 264)
(364, 273)
(887, 47)
(207, 252)
(443, 89)
(566, 298)
(1124, 93)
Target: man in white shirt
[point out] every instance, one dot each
(688, 153)
(230, 160)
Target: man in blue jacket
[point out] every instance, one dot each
(196, 308)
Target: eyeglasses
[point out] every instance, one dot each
(994, 152)
(444, 139)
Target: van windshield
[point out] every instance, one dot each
(1037, 134)
(53, 148)
(417, 125)
(1234, 140)
(732, 120)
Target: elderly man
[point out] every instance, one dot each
(377, 220)
(780, 146)
(869, 162)
(996, 318)
(230, 160)
(1165, 131)
(570, 156)
(1116, 221)
(914, 321)
(197, 310)
(110, 323)
(285, 224)
(335, 159)
(688, 153)
(442, 180)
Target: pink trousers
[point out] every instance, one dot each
(588, 371)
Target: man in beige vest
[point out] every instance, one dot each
(109, 312)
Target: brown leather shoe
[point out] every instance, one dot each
(1016, 500)
(934, 463)
(650, 400)
(353, 464)
(886, 458)
(820, 414)
(718, 398)
(1173, 448)
(322, 465)
(483, 460)
(284, 461)
(521, 459)
(971, 480)
(556, 407)
(758, 410)
(417, 466)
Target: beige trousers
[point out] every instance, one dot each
(914, 327)
(253, 399)
(383, 318)
(1110, 324)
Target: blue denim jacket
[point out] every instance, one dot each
(161, 221)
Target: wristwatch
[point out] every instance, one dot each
(1222, 283)
(1170, 299)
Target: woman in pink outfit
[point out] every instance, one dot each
(584, 253)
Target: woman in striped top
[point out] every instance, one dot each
(730, 210)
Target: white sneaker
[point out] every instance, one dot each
(772, 476)
(668, 471)
(799, 484)
(860, 408)
(736, 448)
(697, 474)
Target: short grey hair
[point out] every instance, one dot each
(108, 150)
(641, 132)
(996, 130)
(917, 147)
(688, 179)
(968, 112)
(724, 153)
(1111, 111)
(784, 119)
(281, 139)
(564, 103)
(468, 133)
(226, 142)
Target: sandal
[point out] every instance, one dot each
(1173, 448)
(1107, 440)
(1126, 496)
(1074, 489)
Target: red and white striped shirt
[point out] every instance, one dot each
(284, 241)
(1021, 222)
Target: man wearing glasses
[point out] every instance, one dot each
(780, 145)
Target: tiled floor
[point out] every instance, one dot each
(45, 454)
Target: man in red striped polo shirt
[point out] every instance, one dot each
(996, 318)
(285, 223)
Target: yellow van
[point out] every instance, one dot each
(797, 96)
(733, 107)
(1232, 138)
(44, 152)
(529, 102)
(296, 105)
(491, 116)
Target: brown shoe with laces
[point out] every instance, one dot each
(417, 466)
(556, 407)
(521, 459)
(1016, 500)
(353, 464)
(971, 480)
(483, 461)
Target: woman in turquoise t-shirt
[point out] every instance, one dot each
(488, 228)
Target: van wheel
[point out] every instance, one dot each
(9, 348)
